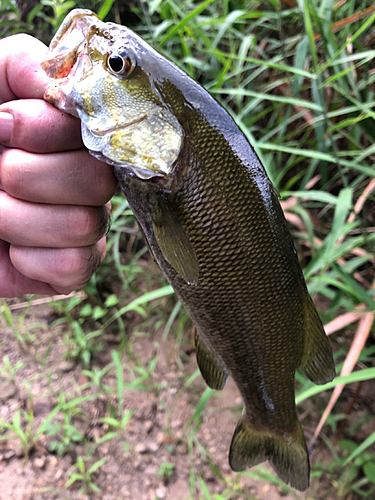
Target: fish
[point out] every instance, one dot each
(211, 219)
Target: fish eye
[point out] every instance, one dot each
(119, 65)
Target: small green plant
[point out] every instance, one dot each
(23, 432)
(66, 433)
(117, 428)
(118, 425)
(22, 332)
(95, 375)
(85, 475)
(80, 344)
(351, 472)
(166, 469)
(68, 437)
(22, 428)
(8, 370)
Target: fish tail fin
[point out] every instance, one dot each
(287, 453)
(317, 361)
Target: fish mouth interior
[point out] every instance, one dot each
(67, 55)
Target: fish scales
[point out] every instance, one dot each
(213, 222)
(231, 309)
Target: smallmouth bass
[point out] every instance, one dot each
(212, 221)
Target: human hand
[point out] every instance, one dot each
(53, 193)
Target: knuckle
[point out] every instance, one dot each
(68, 265)
(104, 222)
(85, 226)
(75, 267)
(12, 174)
(45, 121)
(82, 225)
(95, 223)
(92, 261)
(5, 210)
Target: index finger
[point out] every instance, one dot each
(20, 73)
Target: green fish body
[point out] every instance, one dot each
(211, 219)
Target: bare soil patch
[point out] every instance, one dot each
(160, 454)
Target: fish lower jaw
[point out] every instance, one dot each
(54, 96)
(140, 172)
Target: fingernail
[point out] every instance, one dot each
(6, 125)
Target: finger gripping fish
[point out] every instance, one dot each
(212, 221)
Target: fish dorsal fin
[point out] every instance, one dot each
(173, 241)
(317, 362)
(213, 372)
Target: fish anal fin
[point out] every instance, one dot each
(173, 242)
(317, 361)
(213, 372)
(287, 453)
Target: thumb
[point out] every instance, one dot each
(20, 73)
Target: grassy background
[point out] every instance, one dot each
(298, 78)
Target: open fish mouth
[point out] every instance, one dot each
(67, 60)
(67, 55)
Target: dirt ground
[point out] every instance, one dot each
(157, 434)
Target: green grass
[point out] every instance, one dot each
(298, 78)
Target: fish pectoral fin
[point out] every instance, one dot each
(317, 361)
(173, 241)
(287, 454)
(213, 372)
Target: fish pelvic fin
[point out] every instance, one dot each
(287, 453)
(317, 361)
(212, 370)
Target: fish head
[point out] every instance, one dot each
(111, 79)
